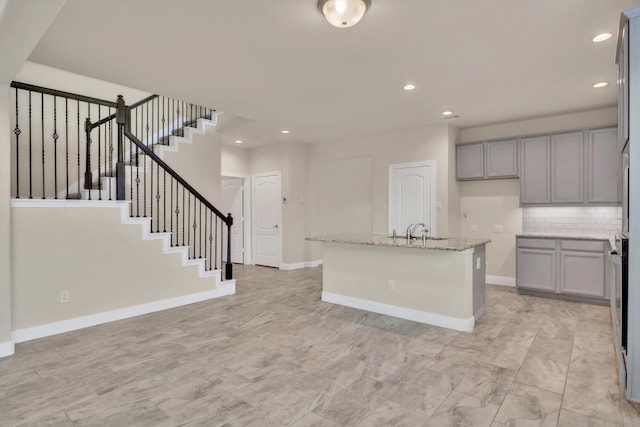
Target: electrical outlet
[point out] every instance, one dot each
(465, 215)
(64, 296)
(478, 263)
(391, 285)
(473, 227)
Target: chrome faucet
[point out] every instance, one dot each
(420, 224)
(411, 230)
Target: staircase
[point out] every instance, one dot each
(73, 147)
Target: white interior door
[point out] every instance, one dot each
(233, 202)
(267, 219)
(412, 196)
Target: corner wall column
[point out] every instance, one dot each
(6, 326)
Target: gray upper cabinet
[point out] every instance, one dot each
(501, 159)
(603, 166)
(566, 168)
(535, 173)
(470, 161)
(487, 160)
(570, 169)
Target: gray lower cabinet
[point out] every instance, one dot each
(562, 268)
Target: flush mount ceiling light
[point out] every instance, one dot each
(238, 141)
(447, 113)
(408, 87)
(600, 84)
(284, 131)
(343, 13)
(601, 37)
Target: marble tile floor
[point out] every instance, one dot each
(275, 355)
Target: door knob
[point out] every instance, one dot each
(275, 226)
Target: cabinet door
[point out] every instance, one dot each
(536, 269)
(582, 273)
(470, 161)
(501, 159)
(535, 173)
(604, 167)
(567, 159)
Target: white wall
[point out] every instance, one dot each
(235, 159)
(348, 180)
(496, 202)
(5, 223)
(54, 78)
(104, 265)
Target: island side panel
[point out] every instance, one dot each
(431, 286)
(479, 277)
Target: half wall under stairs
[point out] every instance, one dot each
(81, 250)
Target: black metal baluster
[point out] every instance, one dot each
(110, 156)
(55, 147)
(88, 165)
(211, 241)
(188, 219)
(177, 212)
(194, 226)
(144, 199)
(17, 133)
(78, 140)
(171, 210)
(205, 236)
(42, 138)
(66, 141)
(200, 233)
(30, 151)
(164, 203)
(183, 211)
(137, 174)
(99, 158)
(130, 176)
(158, 197)
(215, 243)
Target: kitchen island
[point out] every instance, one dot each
(440, 282)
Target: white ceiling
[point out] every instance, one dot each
(278, 64)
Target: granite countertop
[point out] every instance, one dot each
(448, 244)
(592, 236)
(551, 235)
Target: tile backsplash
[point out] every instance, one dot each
(572, 220)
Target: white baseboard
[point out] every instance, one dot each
(299, 265)
(41, 331)
(500, 280)
(6, 349)
(464, 325)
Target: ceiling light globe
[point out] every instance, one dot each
(601, 37)
(600, 84)
(343, 13)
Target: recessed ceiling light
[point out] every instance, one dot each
(238, 141)
(600, 84)
(409, 87)
(601, 37)
(284, 131)
(447, 113)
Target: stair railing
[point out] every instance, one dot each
(179, 209)
(46, 151)
(47, 162)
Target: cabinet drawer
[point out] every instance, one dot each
(529, 242)
(583, 245)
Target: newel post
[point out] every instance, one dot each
(121, 119)
(228, 272)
